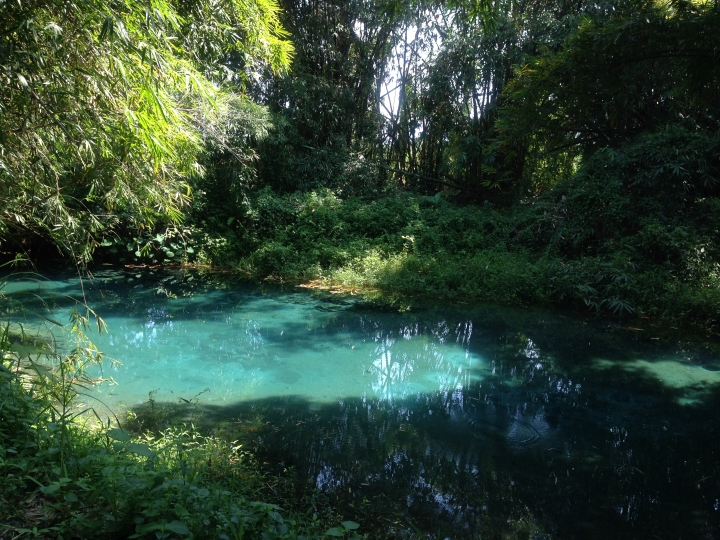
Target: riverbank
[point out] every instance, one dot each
(544, 253)
(64, 478)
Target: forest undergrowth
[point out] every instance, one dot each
(549, 251)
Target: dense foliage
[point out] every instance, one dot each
(103, 107)
(543, 253)
(586, 134)
(509, 151)
(643, 70)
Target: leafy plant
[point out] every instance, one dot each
(345, 529)
(104, 105)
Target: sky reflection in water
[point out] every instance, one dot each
(475, 422)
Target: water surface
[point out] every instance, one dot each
(465, 422)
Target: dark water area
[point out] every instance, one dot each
(457, 421)
(545, 446)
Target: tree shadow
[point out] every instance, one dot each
(532, 460)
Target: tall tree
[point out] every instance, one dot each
(325, 108)
(453, 73)
(632, 101)
(638, 69)
(406, 89)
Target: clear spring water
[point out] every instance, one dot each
(464, 422)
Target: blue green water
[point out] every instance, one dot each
(462, 421)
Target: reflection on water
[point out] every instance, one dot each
(525, 431)
(243, 345)
(464, 423)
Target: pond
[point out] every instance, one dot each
(466, 421)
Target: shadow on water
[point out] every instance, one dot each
(486, 463)
(473, 422)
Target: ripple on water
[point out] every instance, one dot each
(525, 432)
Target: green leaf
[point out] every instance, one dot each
(152, 526)
(52, 488)
(158, 481)
(140, 449)
(335, 531)
(181, 511)
(350, 525)
(177, 527)
(119, 435)
(50, 320)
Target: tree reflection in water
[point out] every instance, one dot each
(537, 443)
(471, 423)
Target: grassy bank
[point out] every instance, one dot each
(564, 249)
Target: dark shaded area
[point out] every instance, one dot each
(544, 458)
(541, 443)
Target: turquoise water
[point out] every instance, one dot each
(464, 422)
(240, 343)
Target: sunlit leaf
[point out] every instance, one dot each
(140, 449)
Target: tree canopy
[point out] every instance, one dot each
(637, 71)
(102, 106)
